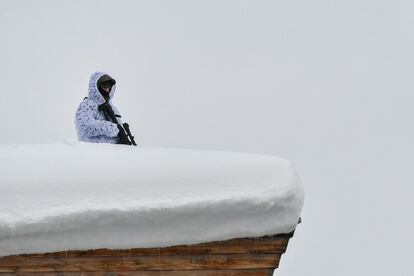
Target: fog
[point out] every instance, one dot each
(325, 84)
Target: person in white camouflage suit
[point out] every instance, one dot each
(91, 124)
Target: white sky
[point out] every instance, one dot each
(326, 84)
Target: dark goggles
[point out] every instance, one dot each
(107, 84)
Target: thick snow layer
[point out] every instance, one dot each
(68, 196)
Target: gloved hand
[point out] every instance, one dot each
(105, 108)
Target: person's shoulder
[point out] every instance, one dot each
(88, 102)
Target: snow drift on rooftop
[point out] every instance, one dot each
(63, 196)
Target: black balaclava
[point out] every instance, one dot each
(105, 82)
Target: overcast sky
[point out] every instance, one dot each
(326, 84)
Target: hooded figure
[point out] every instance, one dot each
(91, 124)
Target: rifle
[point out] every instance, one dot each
(125, 136)
(126, 127)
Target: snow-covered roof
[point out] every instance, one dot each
(67, 196)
